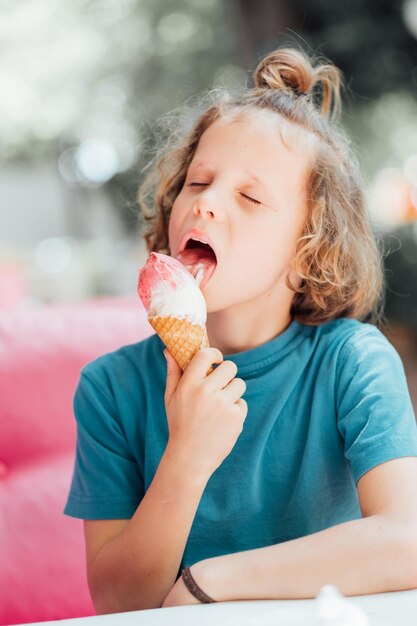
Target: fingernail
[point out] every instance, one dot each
(165, 355)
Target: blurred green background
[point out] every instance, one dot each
(83, 84)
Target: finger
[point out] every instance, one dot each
(174, 374)
(222, 375)
(200, 363)
(243, 406)
(235, 389)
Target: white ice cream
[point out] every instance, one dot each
(186, 301)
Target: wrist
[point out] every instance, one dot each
(206, 575)
(183, 469)
(194, 588)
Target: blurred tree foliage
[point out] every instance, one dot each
(71, 60)
(90, 68)
(401, 275)
(368, 40)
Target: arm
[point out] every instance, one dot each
(137, 568)
(374, 554)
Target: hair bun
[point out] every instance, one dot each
(291, 71)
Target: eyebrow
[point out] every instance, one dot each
(254, 178)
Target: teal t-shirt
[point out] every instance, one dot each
(325, 405)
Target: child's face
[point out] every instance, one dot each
(254, 243)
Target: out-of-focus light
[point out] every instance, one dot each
(128, 153)
(389, 197)
(66, 166)
(409, 15)
(176, 27)
(18, 101)
(208, 5)
(137, 35)
(410, 169)
(54, 255)
(20, 18)
(112, 92)
(413, 198)
(403, 138)
(202, 39)
(109, 13)
(96, 160)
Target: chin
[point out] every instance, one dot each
(218, 304)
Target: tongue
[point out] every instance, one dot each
(200, 262)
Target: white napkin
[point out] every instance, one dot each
(333, 609)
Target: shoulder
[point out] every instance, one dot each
(364, 345)
(346, 329)
(129, 372)
(355, 341)
(351, 348)
(126, 359)
(117, 382)
(366, 362)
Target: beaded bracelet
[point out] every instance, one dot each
(194, 588)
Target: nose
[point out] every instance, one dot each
(207, 205)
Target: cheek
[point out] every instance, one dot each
(171, 228)
(261, 245)
(173, 223)
(264, 255)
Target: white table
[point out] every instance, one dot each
(385, 609)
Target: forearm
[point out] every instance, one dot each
(369, 555)
(137, 569)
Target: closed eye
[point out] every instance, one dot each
(248, 198)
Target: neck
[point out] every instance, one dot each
(231, 331)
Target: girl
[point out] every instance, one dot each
(293, 463)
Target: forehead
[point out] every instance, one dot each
(259, 141)
(294, 137)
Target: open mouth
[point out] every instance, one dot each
(200, 260)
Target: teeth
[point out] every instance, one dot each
(201, 240)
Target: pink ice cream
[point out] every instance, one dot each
(168, 289)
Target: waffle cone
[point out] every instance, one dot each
(182, 338)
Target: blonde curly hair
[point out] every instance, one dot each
(337, 258)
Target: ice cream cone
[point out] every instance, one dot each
(182, 338)
(175, 306)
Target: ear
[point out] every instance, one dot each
(295, 279)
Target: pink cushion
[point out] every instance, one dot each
(42, 562)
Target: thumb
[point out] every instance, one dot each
(174, 373)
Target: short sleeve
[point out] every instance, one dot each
(107, 482)
(375, 414)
